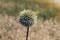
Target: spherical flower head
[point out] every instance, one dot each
(27, 18)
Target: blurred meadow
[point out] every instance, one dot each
(48, 20)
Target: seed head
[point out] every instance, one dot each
(27, 18)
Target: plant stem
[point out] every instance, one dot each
(27, 33)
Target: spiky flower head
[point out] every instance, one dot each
(27, 18)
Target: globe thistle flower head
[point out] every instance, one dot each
(27, 18)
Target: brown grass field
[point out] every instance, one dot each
(11, 29)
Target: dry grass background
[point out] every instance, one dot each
(10, 29)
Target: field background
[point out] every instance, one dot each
(10, 29)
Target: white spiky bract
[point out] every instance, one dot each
(30, 13)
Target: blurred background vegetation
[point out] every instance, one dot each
(43, 9)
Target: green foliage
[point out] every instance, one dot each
(9, 11)
(20, 5)
(46, 13)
